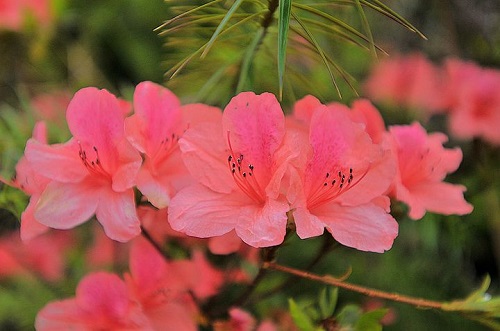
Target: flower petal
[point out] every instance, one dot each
(204, 154)
(256, 126)
(440, 197)
(263, 226)
(200, 212)
(66, 205)
(58, 162)
(117, 214)
(157, 116)
(96, 120)
(366, 227)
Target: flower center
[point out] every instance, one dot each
(243, 175)
(94, 167)
(335, 183)
(167, 147)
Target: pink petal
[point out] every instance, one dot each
(66, 205)
(256, 127)
(147, 266)
(204, 154)
(176, 316)
(307, 224)
(96, 120)
(58, 162)
(196, 113)
(200, 212)
(364, 112)
(265, 225)
(338, 144)
(30, 227)
(154, 190)
(157, 115)
(304, 109)
(375, 182)
(103, 294)
(226, 244)
(61, 316)
(366, 227)
(117, 214)
(442, 198)
(129, 163)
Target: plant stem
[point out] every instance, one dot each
(157, 246)
(418, 302)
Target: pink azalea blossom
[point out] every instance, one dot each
(42, 256)
(238, 165)
(154, 129)
(340, 181)
(423, 163)
(409, 81)
(163, 297)
(33, 184)
(240, 320)
(474, 101)
(13, 13)
(102, 302)
(92, 173)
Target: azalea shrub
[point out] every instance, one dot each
(145, 207)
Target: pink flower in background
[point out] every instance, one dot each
(340, 181)
(410, 81)
(13, 13)
(423, 163)
(42, 256)
(474, 99)
(102, 302)
(240, 320)
(163, 296)
(92, 173)
(238, 165)
(154, 129)
(51, 107)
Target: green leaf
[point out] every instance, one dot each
(370, 321)
(247, 59)
(221, 26)
(349, 315)
(301, 319)
(285, 7)
(366, 26)
(310, 38)
(327, 301)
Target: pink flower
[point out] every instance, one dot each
(409, 81)
(94, 172)
(423, 163)
(32, 184)
(42, 256)
(154, 129)
(474, 101)
(339, 183)
(13, 13)
(163, 297)
(51, 107)
(238, 165)
(240, 320)
(102, 302)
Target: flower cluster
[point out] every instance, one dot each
(249, 172)
(466, 92)
(154, 294)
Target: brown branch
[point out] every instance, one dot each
(418, 302)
